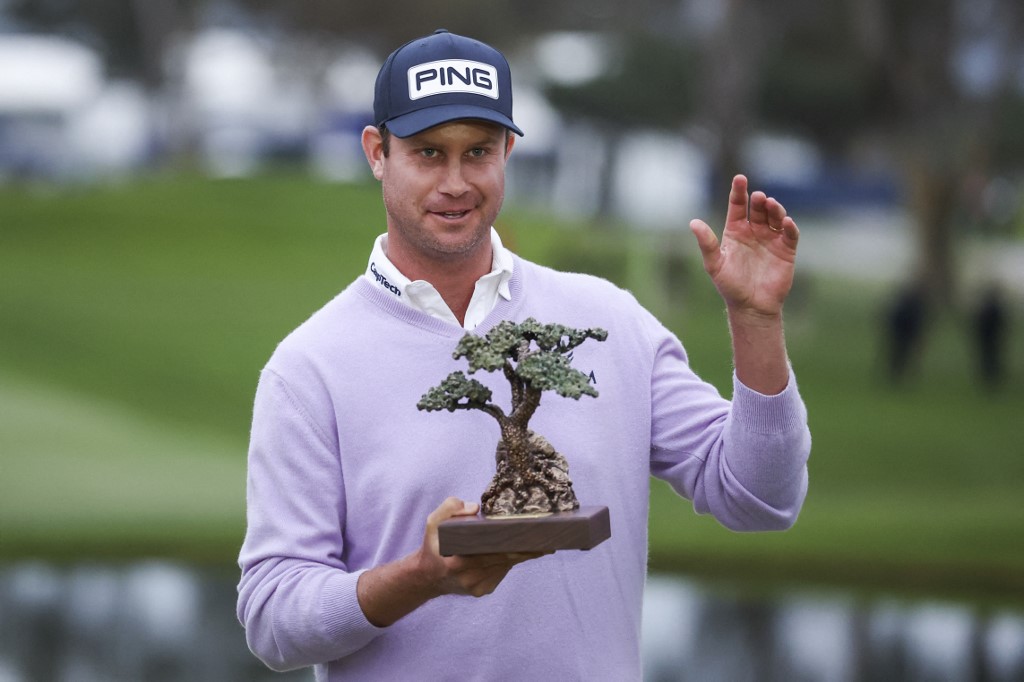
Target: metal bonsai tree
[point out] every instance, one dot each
(531, 475)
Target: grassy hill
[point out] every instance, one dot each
(134, 320)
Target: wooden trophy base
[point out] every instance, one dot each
(582, 528)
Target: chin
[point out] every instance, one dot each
(462, 245)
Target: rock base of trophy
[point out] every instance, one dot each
(582, 528)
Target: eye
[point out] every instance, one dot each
(429, 153)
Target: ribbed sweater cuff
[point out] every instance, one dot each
(759, 413)
(344, 620)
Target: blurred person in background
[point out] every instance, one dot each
(905, 323)
(990, 326)
(348, 481)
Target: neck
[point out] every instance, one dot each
(454, 278)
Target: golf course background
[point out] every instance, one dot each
(134, 320)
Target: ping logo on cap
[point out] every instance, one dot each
(453, 75)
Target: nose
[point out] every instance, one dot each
(454, 181)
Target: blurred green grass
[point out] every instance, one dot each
(134, 320)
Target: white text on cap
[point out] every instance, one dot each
(452, 75)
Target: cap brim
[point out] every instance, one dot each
(418, 121)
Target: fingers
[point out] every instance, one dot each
(790, 229)
(760, 210)
(481, 574)
(767, 212)
(764, 214)
(480, 580)
(737, 210)
(520, 557)
(476, 575)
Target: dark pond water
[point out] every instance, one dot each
(156, 622)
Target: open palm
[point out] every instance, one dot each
(752, 267)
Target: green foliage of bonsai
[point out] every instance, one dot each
(534, 357)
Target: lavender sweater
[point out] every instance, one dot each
(343, 471)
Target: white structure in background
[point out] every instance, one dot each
(227, 80)
(781, 158)
(571, 183)
(43, 80)
(336, 151)
(113, 134)
(532, 166)
(239, 105)
(59, 118)
(660, 180)
(573, 57)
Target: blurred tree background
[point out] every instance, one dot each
(198, 278)
(931, 88)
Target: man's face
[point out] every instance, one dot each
(442, 189)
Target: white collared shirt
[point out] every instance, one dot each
(422, 295)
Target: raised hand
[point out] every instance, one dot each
(752, 267)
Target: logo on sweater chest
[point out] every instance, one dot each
(591, 377)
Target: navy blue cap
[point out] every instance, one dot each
(440, 78)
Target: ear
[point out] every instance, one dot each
(373, 147)
(509, 143)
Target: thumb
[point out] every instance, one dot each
(451, 507)
(706, 241)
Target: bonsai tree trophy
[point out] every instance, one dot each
(530, 504)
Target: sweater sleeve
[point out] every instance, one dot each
(743, 461)
(296, 599)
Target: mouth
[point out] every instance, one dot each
(451, 215)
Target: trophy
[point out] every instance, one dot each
(529, 505)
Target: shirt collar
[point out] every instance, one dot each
(422, 295)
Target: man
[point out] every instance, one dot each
(338, 570)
